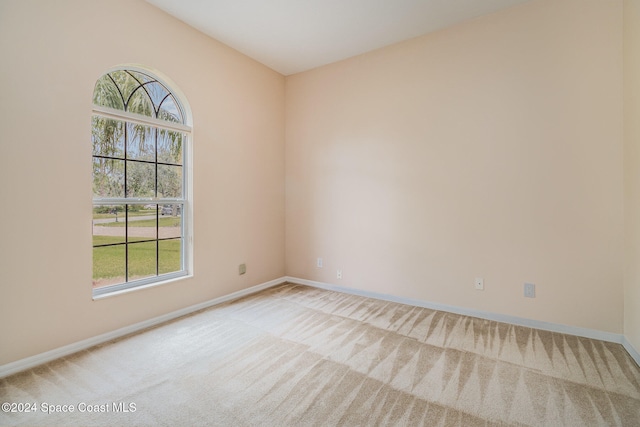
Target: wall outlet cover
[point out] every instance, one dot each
(530, 290)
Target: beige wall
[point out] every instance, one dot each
(632, 170)
(491, 149)
(51, 54)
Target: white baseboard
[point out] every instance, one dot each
(48, 356)
(39, 359)
(537, 324)
(631, 350)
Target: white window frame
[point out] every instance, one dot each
(187, 192)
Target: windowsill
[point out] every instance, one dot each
(140, 287)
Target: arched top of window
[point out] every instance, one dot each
(138, 92)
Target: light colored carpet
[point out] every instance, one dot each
(295, 356)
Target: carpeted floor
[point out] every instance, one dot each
(296, 356)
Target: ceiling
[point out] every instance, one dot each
(291, 36)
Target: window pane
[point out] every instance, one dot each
(170, 223)
(142, 224)
(108, 265)
(169, 256)
(141, 179)
(126, 83)
(170, 146)
(107, 137)
(169, 111)
(108, 178)
(108, 224)
(141, 77)
(106, 94)
(169, 181)
(142, 260)
(157, 92)
(140, 103)
(141, 144)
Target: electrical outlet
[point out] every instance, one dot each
(479, 283)
(242, 268)
(339, 274)
(319, 263)
(530, 290)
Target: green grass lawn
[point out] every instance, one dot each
(109, 261)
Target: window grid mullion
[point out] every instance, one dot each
(140, 241)
(97, 156)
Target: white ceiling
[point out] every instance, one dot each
(290, 36)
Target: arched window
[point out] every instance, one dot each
(140, 137)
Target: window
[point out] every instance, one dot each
(140, 188)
